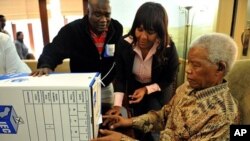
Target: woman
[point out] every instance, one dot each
(146, 62)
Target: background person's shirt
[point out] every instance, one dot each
(9, 59)
(22, 49)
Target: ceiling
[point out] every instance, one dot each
(29, 9)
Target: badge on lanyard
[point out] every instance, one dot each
(109, 50)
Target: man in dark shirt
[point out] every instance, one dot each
(21, 48)
(88, 43)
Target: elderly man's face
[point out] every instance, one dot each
(99, 17)
(201, 73)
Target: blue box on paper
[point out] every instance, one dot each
(8, 116)
(57, 107)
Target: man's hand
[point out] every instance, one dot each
(116, 110)
(114, 121)
(41, 71)
(113, 111)
(137, 95)
(108, 136)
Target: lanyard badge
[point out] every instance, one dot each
(109, 50)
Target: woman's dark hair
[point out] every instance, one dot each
(153, 17)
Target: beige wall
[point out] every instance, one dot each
(29, 9)
(19, 9)
(224, 21)
(241, 19)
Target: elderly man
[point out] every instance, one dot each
(89, 44)
(203, 108)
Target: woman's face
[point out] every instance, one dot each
(145, 38)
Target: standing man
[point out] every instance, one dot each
(89, 44)
(21, 48)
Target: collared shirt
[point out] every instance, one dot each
(142, 70)
(99, 40)
(142, 67)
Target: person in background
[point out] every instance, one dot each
(30, 56)
(202, 108)
(2, 24)
(21, 48)
(146, 63)
(9, 59)
(89, 43)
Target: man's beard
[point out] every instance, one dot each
(20, 40)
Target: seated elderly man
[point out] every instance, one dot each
(203, 107)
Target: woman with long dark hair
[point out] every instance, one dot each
(146, 62)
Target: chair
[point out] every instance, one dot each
(239, 83)
(64, 67)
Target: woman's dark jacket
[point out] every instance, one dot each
(163, 73)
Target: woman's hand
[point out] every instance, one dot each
(137, 95)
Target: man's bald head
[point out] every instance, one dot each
(97, 2)
(99, 12)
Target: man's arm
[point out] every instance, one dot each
(217, 128)
(54, 52)
(214, 127)
(152, 121)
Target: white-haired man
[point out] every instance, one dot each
(203, 107)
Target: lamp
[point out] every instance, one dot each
(186, 10)
(185, 7)
(186, 38)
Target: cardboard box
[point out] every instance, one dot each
(58, 107)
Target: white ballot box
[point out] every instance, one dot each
(58, 107)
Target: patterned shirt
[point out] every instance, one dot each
(194, 115)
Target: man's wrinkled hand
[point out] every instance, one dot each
(117, 121)
(113, 111)
(108, 136)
